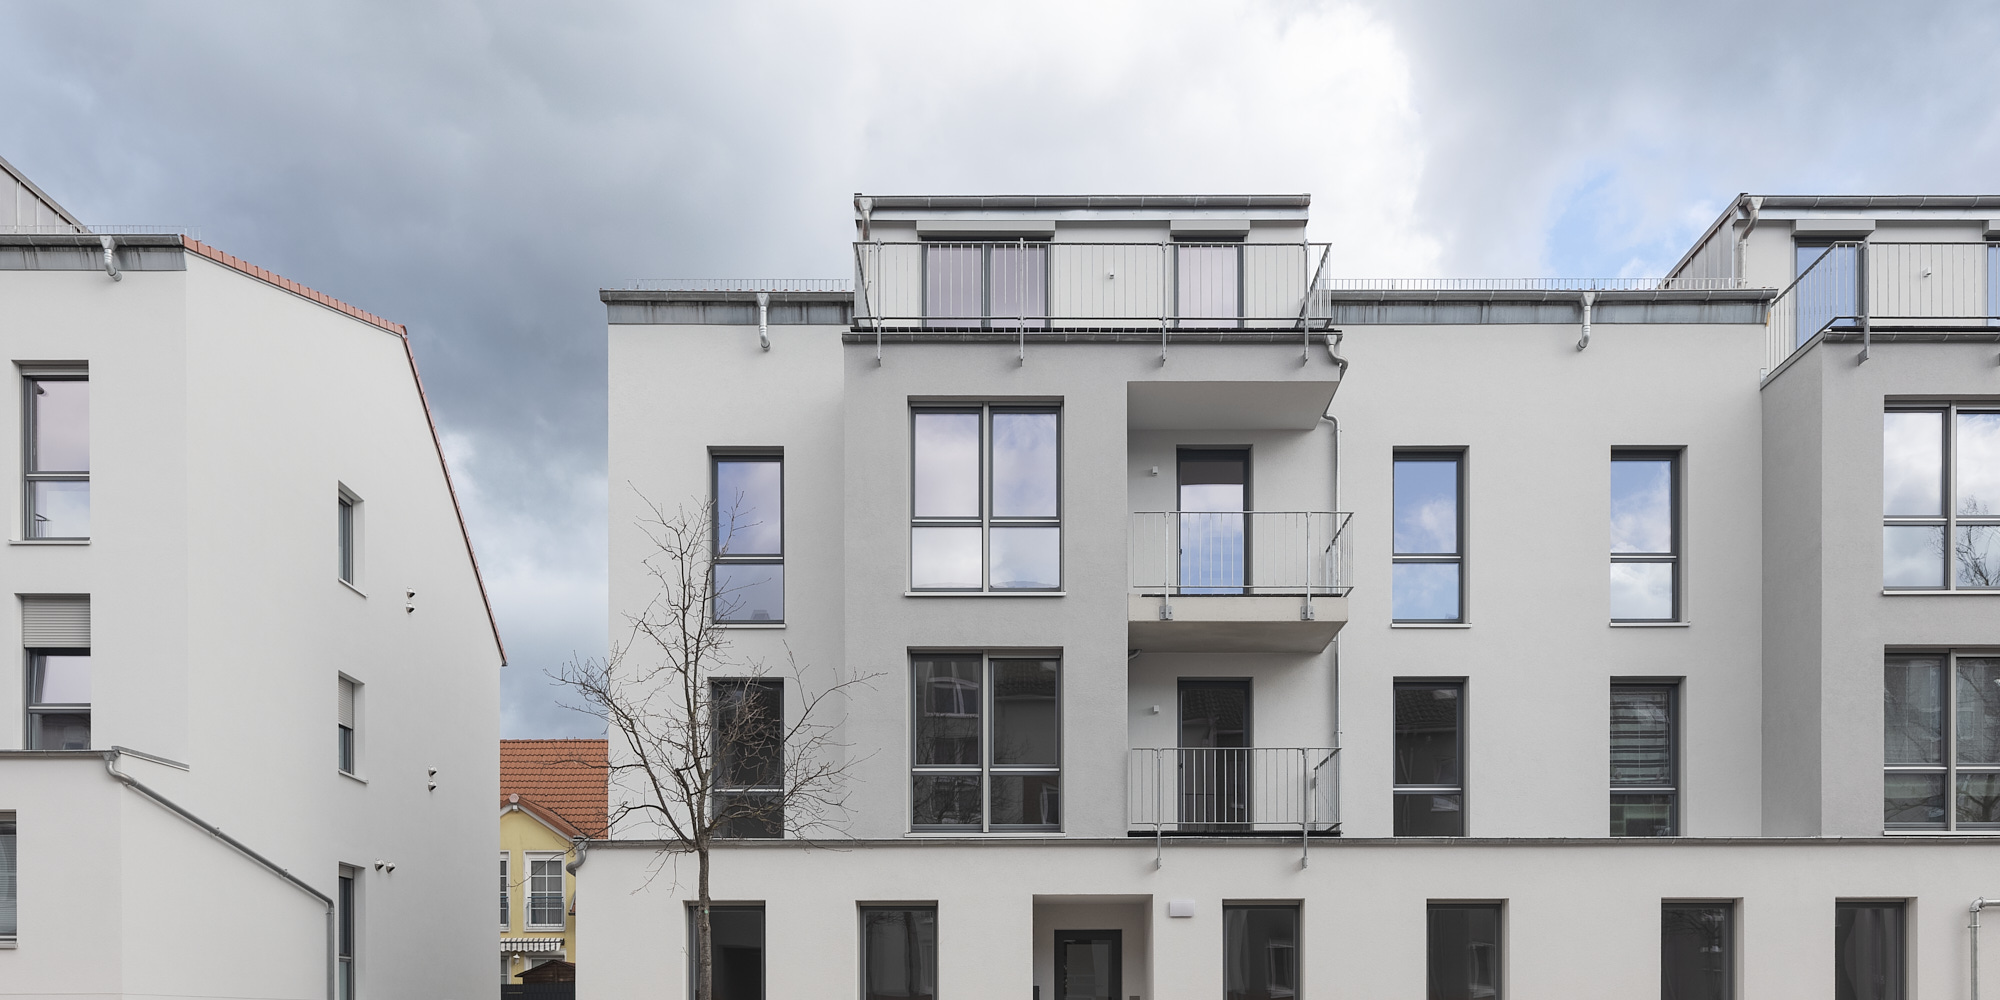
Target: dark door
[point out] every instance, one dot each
(1215, 754)
(1089, 965)
(1215, 536)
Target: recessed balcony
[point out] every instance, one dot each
(1237, 581)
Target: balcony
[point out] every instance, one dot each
(1225, 791)
(1237, 581)
(1885, 291)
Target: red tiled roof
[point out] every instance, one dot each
(564, 778)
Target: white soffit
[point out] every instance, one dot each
(1833, 227)
(1182, 406)
(986, 229)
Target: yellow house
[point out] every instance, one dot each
(552, 792)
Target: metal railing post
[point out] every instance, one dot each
(1159, 811)
(1861, 255)
(1305, 810)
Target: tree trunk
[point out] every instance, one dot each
(704, 984)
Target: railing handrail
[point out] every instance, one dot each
(1233, 790)
(1269, 553)
(1528, 284)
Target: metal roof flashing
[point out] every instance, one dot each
(963, 209)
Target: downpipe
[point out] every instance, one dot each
(110, 258)
(1588, 300)
(332, 941)
(1977, 905)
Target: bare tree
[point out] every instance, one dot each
(704, 748)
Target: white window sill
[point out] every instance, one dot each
(45, 541)
(985, 593)
(350, 586)
(1988, 834)
(1651, 624)
(1430, 624)
(350, 775)
(750, 625)
(1940, 593)
(976, 835)
(545, 929)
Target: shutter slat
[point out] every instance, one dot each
(55, 622)
(347, 703)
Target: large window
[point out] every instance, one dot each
(1429, 783)
(1260, 952)
(736, 951)
(749, 732)
(1868, 959)
(344, 724)
(1464, 951)
(1825, 289)
(988, 742)
(1645, 773)
(1697, 951)
(1941, 741)
(749, 539)
(898, 953)
(1000, 286)
(1208, 285)
(1427, 583)
(59, 699)
(1941, 498)
(57, 454)
(986, 498)
(545, 891)
(9, 879)
(1645, 536)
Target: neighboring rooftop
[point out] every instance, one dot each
(29, 209)
(562, 780)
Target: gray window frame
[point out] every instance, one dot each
(1500, 935)
(10, 876)
(719, 753)
(30, 419)
(36, 708)
(986, 769)
(1676, 529)
(1459, 789)
(1727, 951)
(717, 456)
(1458, 457)
(1949, 768)
(506, 895)
(348, 690)
(348, 534)
(695, 943)
(1672, 789)
(1951, 520)
(987, 520)
(347, 900)
(866, 908)
(1901, 907)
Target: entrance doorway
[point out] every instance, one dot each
(1089, 965)
(1214, 754)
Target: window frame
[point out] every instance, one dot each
(1500, 936)
(1229, 952)
(35, 708)
(506, 891)
(533, 898)
(986, 320)
(1951, 520)
(695, 942)
(1461, 789)
(347, 901)
(10, 913)
(349, 533)
(1902, 910)
(348, 691)
(715, 703)
(987, 520)
(1727, 937)
(1672, 789)
(986, 769)
(31, 375)
(862, 912)
(717, 559)
(1949, 769)
(1459, 558)
(1676, 529)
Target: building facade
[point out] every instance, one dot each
(248, 733)
(552, 795)
(1236, 629)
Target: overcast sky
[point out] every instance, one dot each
(479, 171)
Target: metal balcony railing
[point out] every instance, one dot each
(1260, 552)
(1223, 791)
(1025, 286)
(1856, 286)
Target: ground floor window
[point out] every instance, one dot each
(987, 752)
(736, 936)
(1941, 741)
(1260, 952)
(1697, 951)
(1464, 951)
(898, 953)
(1868, 951)
(8, 868)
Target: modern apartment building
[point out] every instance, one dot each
(246, 737)
(1244, 630)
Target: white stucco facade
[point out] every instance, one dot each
(1774, 651)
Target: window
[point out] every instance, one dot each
(736, 953)
(1645, 536)
(58, 454)
(1000, 286)
(1825, 290)
(1209, 285)
(1464, 951)
(1426, 583)
(749, 539)
(985, 503)
(749, 734)
(898, 953)
(505, 913)
(59, 699)
(9, 879)
(344, 904)
(1645, 789)
(970, 775)
(1430, 789)
(1941, 741)
(1260, 952)
(1697, 951)
(347, 692)
(348, 529)
(545, 891)
(1868, 951)
(1941, 498)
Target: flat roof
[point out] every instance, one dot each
(989, 202)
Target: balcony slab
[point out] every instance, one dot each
(1233, 624)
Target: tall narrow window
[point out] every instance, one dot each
(347, 529)
(1868, 955)
(9, 879)
(1208, 285)
(505, 892)
(1941, 741)
(545, 891)
(1426, 583)
(1825, 274)
(345, 723)
(1645, 791)
(749, 735)
(1214, 530)
(1645, 536)
(344, 936)
(1464, 951)
(986, 499)
(749, 539)
(1941, 498)
(1001, 286)
(1697, 951)
(58, 454)
(1260, 952)
(1430, 789)
(899, 953)
(967, 775)
(735, 951)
